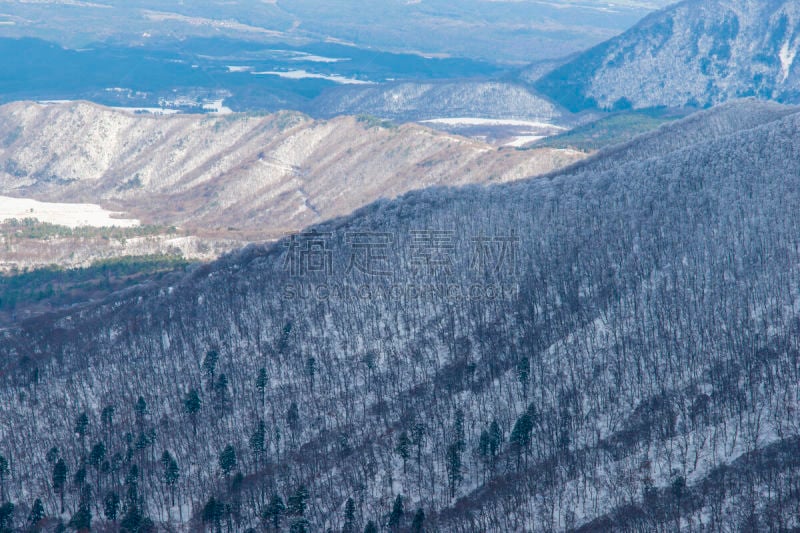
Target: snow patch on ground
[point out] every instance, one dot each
(71, 215)
(787, 56)
(474, 121)
(239, 68)
(304, 74)
(217, 107)
(151, 110)
(522, 140)
(319, 59)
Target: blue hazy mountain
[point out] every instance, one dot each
(497, 31)
(249, 75)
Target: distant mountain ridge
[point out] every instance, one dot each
(500, 31)
(427, 100)
(259, 176)
(723, 120)
(697, 52)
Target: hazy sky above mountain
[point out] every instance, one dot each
(499, 30)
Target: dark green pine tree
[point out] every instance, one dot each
(97, 455)
(60, 472)
(111, 506)
(142, 442)
(7, 517)
(489, 444)
(396, 516)
(258, 441)
(140, 408)
(300, 525)
(418, 524)
(129, 452)
(524, 374)
(4, 472)
(273, 514)
(262, 380)
(350, 525)
(483, 445)
(227, 460)
(210, 364)
(293, 417)
(296, 504)
(191, 406)
(36, 515)
(213, 511)
(371, 527)
(82, 519)
(283, 343)
(96, 458)
(52, 455)
(134, 519)
(454, 465)
(520, 438)
(403, 448)
(107, 417)
(81, 427)
(565, 429)
(311, 371)
(79, 479)
(418, 438)
(171, 473)
(132, 486)
(495, 439)
(221, 391)
(458, 431)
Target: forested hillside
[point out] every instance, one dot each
(696, 52)
(612, 346)
(723, 120)
(420, 101)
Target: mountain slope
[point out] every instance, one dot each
(638, 367)
(421, 101)
(721, 121)
(698, 52)
(240, 176)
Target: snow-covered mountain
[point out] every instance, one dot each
(420, 101)
(611, 347)
(240, 175)
(697, 52)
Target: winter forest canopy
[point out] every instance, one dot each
(488, 295)
(643, 371)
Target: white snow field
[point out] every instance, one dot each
(71, 215)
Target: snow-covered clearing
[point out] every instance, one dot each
(475, 121)
(522, 140)
(71, 215)
(304, 74)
